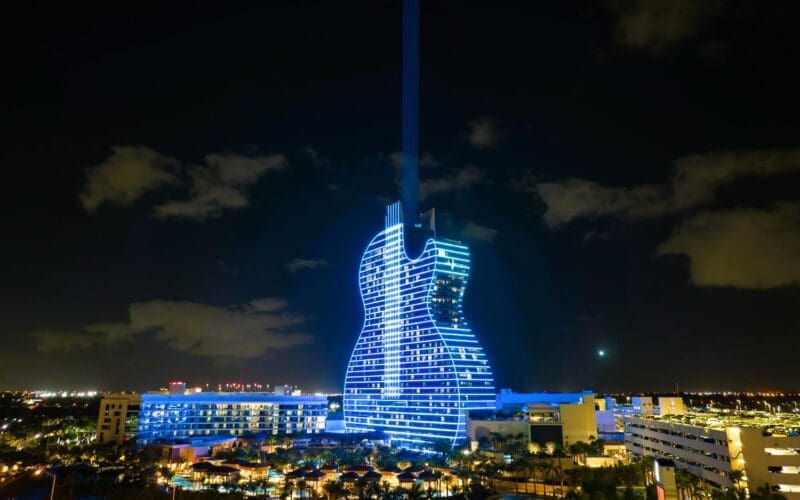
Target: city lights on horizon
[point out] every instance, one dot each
(259, 387)
(48, 393)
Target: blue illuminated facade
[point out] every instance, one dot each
(184, 416)
(417, 369)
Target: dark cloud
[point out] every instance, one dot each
(301, 264)
(475, 231)
(743, 248)
(222, 183)
(574, 198)
(125, 175)
(459, 181)
(656, 26)
(483, 132)
(62, 341)
(226, 333)
(694, 183)
(316, 158)
(268, 304)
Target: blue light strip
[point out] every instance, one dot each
(410, 149)
(392, 309)
(185, 416)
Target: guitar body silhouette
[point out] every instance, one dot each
(416, 369)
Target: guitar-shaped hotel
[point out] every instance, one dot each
(417, 368)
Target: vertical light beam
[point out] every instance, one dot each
(410, 146)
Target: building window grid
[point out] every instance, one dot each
(648, 439)
(181, 420)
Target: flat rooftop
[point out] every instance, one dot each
(774, 424)
(231, 397)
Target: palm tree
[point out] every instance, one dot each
(683, 481)
(559, 471)
(647, 469)
(538, 465)
(735, 476)
(448, 482)
(362, 490)
(764, 492)
(261, 484)
(491, 469)
(478, 491)
(497, 438)
(334, 489)
(517, 444)
(530, 466)
(698, 486)
(414, 493)
(463, 478)
(574, 478)
(515, 469)
(302, 486)
(381, 489)
(547, 471)
(166, 473)
(287, 490)
(729, 494)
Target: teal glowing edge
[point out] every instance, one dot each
(417, 368)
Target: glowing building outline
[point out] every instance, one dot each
(203, 414)
(417, 368)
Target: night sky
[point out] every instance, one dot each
(189, 188)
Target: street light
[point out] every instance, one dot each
(50, 474)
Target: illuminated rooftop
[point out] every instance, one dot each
(773, 424)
